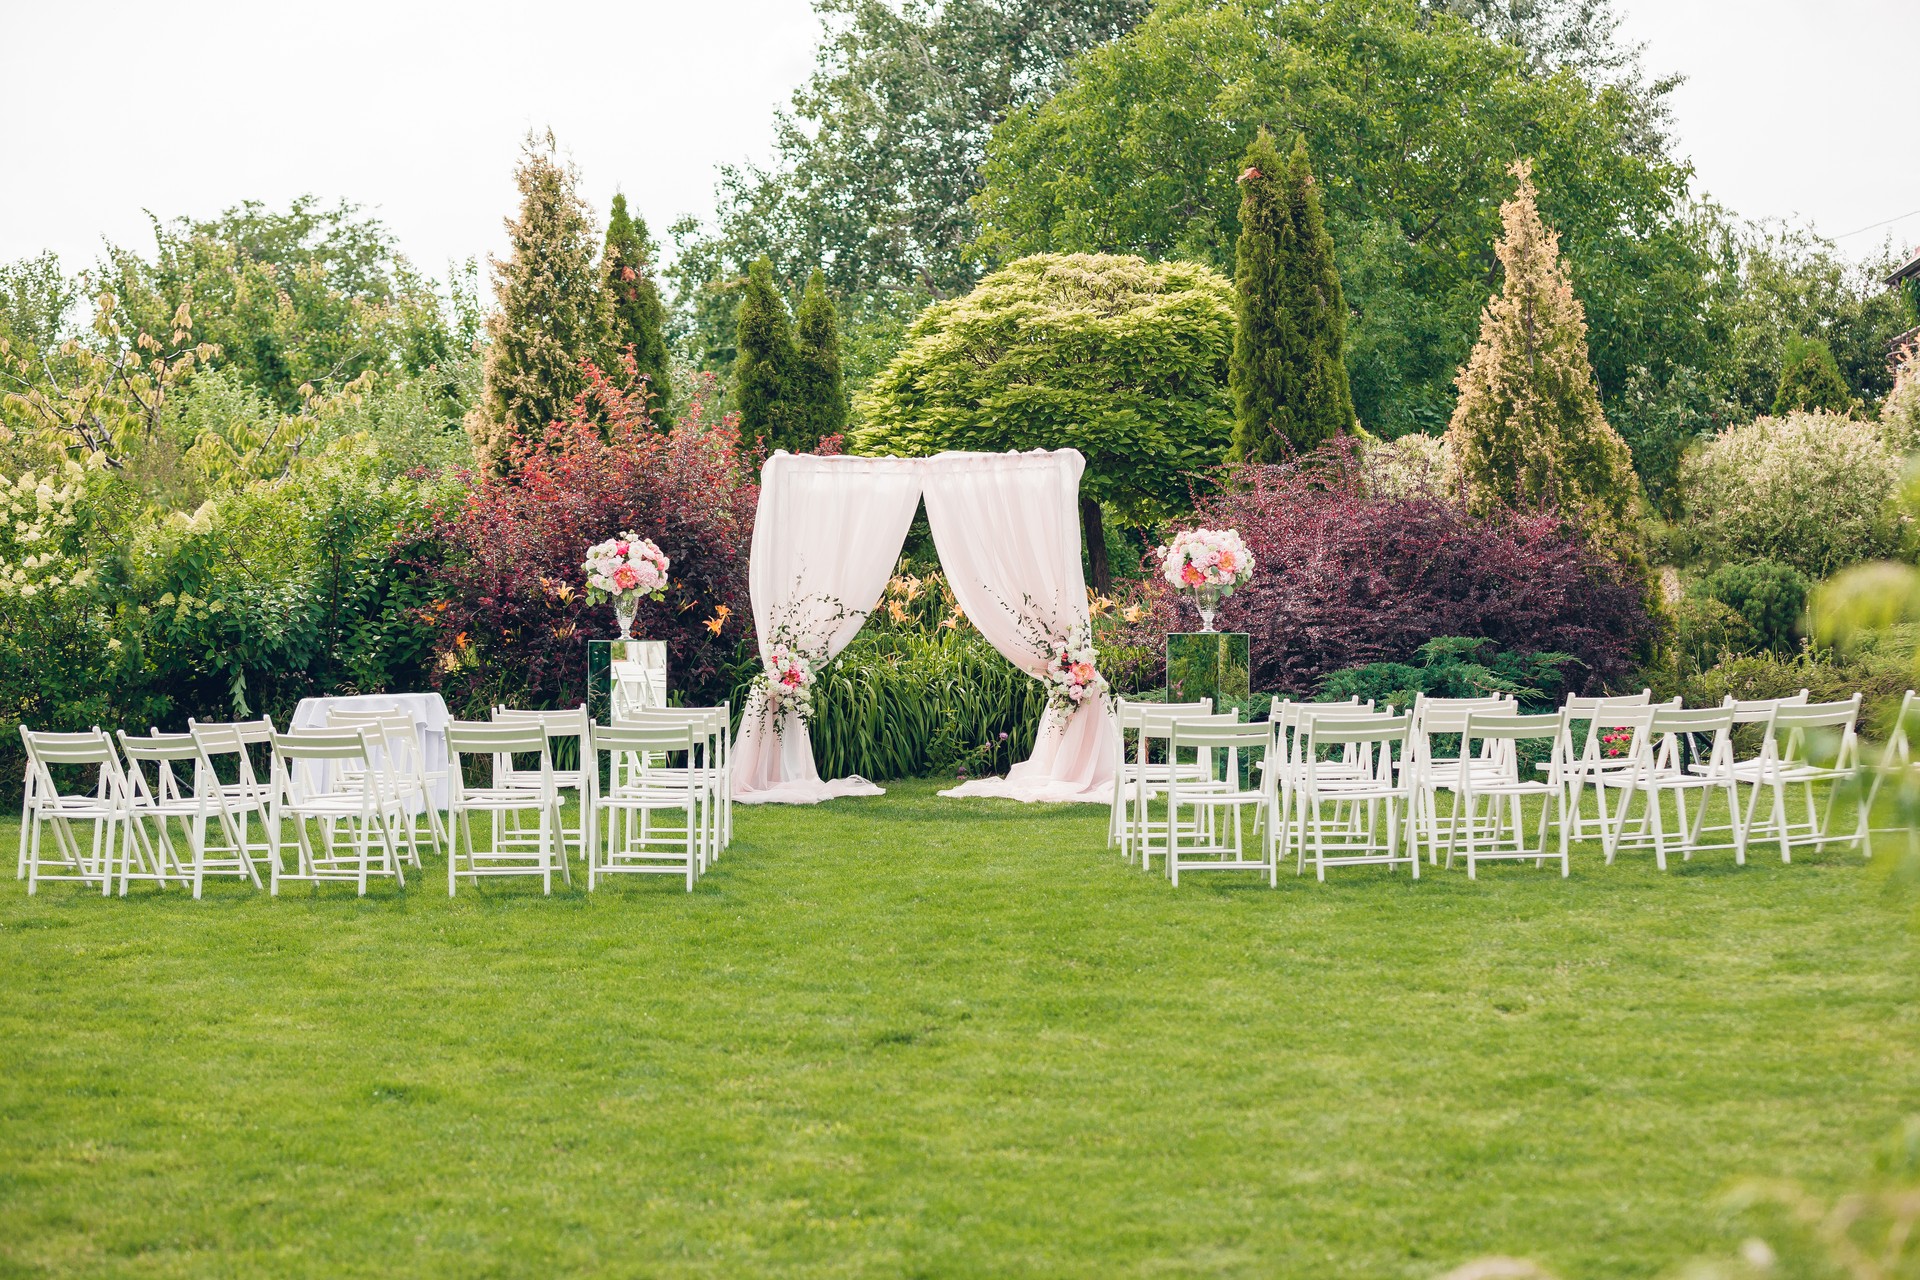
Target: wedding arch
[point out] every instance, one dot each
(1007, 528)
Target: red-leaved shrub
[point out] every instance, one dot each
(512, 618)
(1345, 578)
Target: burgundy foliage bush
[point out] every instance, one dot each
(1344, 579)
(512, 618)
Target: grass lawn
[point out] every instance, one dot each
(918, 1037)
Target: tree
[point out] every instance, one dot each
(763, 371)
(1528, 430)
(1810, 379)
(297, 301)
(1120, 358)
(820, 390)
(1135, 154)
(552, 313)
(639, 317)
(879, 153)
(1289, 376)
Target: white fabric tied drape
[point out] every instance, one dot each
(1007, 527)
(825, 541)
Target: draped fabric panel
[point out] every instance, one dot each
(1007, 527)
(827, 536)
(825, 540)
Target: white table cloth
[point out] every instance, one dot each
(430, 717)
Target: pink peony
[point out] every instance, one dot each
(621, 548)
(1226, 562)
(1083, 672)
(626, 577)
(1192, 576)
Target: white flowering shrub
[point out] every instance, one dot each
(38, 543)
(1813, 490)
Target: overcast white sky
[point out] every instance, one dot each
(1794, 108)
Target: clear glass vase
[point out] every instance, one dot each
(624, 607)
(1206, 600)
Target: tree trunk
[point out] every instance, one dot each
(1096, 546)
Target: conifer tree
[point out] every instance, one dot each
(1289, 371)
(763, 370)
(820, 389)
(1528, 430)
(639, 317)
(552, 312)
(1810, 379)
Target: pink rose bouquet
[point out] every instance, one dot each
(623, 570)
(1205, 565)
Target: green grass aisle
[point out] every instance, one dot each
(915, 1037)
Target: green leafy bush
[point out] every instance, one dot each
(1769, 597)
(1120, 358)
(1811, 490)
(1705, 630)
(1455, 667)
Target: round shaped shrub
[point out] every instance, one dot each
(1120, 358)
(1769, 596)
(1706, 630)
(1812, 490)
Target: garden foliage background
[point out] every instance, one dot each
(238, 466)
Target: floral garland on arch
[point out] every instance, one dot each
(1073, 676)
(1072, 671)
(789, 672)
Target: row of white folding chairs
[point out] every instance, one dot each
(362, 781)
(203, 785)
(1336, 796)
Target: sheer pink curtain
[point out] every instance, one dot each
(825, 540)
(1007, 527)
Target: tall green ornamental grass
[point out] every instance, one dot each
(919, 691)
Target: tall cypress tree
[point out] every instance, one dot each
(1810, 379)
(1528, 430)
(1289, 369)
(820, 389)
(639, 317)
(763, 371)
(552, 312)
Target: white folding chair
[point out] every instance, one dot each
(226, 754)
(624, 835)
(395, 736)
(1132, 772)
(1502, 836)
(1792, 756)
(566, 725)
(1346, 765)
(104, 807)
(195, 806)
(1667, 761)
(711, 765)
(1287, 766)
(1592, 759)
(1152, 779)
(1202, 845)
(1434, 772)
(330, 777)
(1897, 764)
(528, 792)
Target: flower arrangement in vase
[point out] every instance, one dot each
(1205, 565)
(624, 570)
